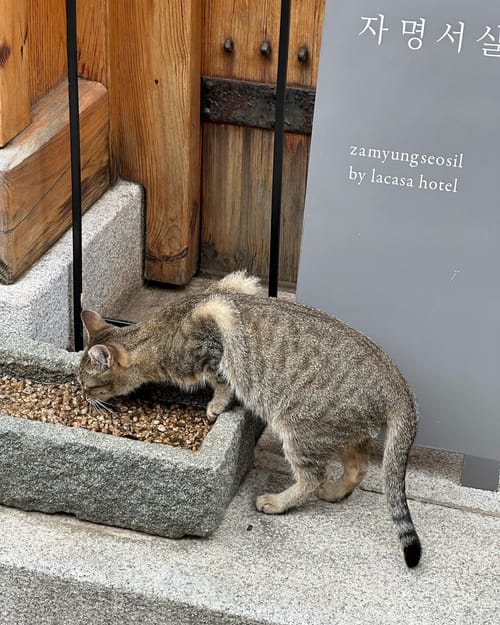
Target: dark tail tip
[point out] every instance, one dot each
(412, 553)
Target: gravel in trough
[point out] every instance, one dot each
(171, 423)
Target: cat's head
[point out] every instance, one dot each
(105, 368)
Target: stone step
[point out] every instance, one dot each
(323, 564)
(38, 306)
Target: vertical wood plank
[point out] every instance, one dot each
(237, 182)
(47, 39)
(305, 30)
(92, 22)
(237, 162)
(155, 62)
(14, 70)
(248, 24)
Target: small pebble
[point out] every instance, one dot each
(168, 423)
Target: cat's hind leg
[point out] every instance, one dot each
(354, 457)
(308, 471)
(305, 486)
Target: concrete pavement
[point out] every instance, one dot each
(324, 564)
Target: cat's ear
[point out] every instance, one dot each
(105, 356)
(120, 354)
(102, 356)
(93, 323)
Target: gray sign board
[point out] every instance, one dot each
(402, 221)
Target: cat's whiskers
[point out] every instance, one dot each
(106, 403)
(99, 406)
(105, 406)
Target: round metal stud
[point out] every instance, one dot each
(265, 48)
(303, 54)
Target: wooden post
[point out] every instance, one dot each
(155, 67)
(14, 74)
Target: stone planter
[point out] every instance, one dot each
(98, 477)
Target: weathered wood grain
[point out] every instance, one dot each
(237, 182)
(155, 57)
(14, 69)
(35, 184)
(92, 25)
(47, 40)
(237, 162)
(248, 23)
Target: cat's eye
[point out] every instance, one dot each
(97, 387)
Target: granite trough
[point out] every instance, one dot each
(107, 479)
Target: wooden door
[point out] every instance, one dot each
(240, 42)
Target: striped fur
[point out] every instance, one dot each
(324, 388)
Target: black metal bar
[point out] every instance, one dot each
(279, 133)
(119, 323)
(76, 185)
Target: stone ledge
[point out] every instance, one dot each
(39, 305)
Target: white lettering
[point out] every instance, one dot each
(438, 185)
(386, 154)
(389, 179)
(356, 176)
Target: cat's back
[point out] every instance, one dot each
(270, 319)
(276, 328)
(278, 353)
(295, 335)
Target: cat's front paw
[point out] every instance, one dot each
(270, 504)
(214, 409)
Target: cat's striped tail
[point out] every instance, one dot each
(401, 430)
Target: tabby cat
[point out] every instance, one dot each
(324, 388)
